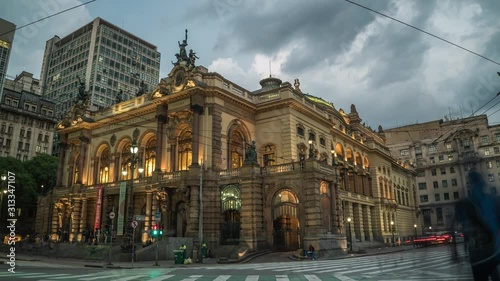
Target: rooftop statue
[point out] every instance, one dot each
(182, 56)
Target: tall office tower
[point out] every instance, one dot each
(113, 63)
(7, 30)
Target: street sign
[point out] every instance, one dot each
(134, 224)
(112, 215)
(140, 217)
(157, 216)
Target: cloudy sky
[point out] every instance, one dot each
(343, 53)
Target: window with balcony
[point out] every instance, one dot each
(432, 148)
(418, 151)
(446, 196)
(444, 183)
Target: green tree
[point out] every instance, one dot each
(22, 187)
(43, 169)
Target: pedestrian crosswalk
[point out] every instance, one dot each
(433, 262)
(415, 265)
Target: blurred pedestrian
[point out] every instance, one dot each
(480, 215)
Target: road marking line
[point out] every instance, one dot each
(192, 278)
(160, 278)
(129, 278)
(312, 278)
(222, 278)
(75, 276)
(42, 275)
(252, 278)
(282, 278)
(97, 277)
(342, 277)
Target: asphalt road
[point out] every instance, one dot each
(431, 263)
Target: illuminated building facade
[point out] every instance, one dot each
(278, 169)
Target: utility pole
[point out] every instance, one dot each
(200, 226)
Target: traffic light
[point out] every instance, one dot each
(161, 231)
(154, 233)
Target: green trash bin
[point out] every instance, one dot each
(178, 256)
(204, 251)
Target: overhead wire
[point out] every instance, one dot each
(49, 16)
(423, 31)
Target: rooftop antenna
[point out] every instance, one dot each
(269, 68)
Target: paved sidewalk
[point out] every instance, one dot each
(271, 257)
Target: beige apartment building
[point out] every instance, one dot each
(277, 169)
(443, 152)
(27, 121)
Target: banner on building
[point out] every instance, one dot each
(121, 208)
(98, 208)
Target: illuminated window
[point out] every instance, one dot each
(185, 150)
(104, 166)
(150, 161)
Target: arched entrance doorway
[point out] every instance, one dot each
(231, 206)
(285, 223)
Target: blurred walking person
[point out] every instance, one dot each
(479, 214)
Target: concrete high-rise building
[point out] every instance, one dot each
(113, 64)
(7, 30)
(443, 152)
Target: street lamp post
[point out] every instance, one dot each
(392, 228)
(128, 239)
(350, 234)
(311, 154)
(415, 237)
(4, 178)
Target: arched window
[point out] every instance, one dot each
(150, 162)
(185, 150)
(126, 172)
(236, 149)
(75, 169)
(104, 166)
(230, 206)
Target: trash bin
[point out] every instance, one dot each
(204, 251)
(178, 256)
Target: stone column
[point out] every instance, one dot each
(147, 221)
(355, 182)
(367, 223)
(173, 151)
(60, 167)
(197, 109)
(83, 216)
(358, 222)
(334, 207)
(161, 116)
(55, 221)
(75, 221)
(192, 227)
(252, 226)
(83, 147)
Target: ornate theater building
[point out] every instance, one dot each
(202, 157)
